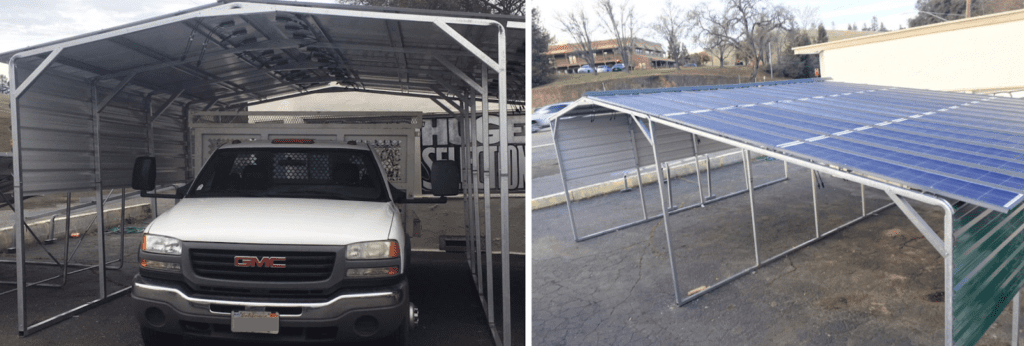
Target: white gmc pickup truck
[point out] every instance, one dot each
(290, 240)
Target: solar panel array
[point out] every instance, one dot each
(960, 146)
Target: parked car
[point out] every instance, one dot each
(618, 67)
(539, 120)
(690, 65)
(602, 68)
(585, 69)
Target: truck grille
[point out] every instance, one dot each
(299, 266)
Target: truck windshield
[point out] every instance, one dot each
(292, 173)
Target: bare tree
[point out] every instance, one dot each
(577, 24)
(755, 23)
(671, 25)
(621, 21)
(713, 30)
(5, 85)
(807, 17)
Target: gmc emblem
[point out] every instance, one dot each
(253, 261)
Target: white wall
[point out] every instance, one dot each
(985, 57)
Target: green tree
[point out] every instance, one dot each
(822, 34)
(5, 85)
(542, 68)
(797, 66)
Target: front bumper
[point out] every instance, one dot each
(352, 315)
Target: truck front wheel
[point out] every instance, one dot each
(154, 338)
(400, 337)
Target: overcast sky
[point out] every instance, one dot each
(842, 12)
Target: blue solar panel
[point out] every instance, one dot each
(965, 147)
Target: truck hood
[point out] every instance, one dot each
(291, 221)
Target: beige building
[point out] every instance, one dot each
(982, 54)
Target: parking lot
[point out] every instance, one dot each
(877, 282)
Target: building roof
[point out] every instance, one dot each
(992, 19)
(562, 48)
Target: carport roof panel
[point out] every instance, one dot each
(233, 51)
(960, 146)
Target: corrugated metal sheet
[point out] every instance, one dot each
(963, 147)
(230, 54)
(988, 261)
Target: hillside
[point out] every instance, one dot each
(571, 87)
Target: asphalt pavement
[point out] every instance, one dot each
(877, 282)
(441, 285)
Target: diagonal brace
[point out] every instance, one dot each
(469, 81)
(20, 88)
(120, 86)
(470, 46)
(919, 222)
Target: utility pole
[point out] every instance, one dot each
(968, 9)
(770, 68)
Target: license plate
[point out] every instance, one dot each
(265, 322)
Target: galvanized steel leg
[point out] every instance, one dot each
(475, 174)
(750, 188)
(639, 174)
(504, 130)
(565, 184)
(707, 159)
(668, 184)
(101, 246)
(1016, 319)
(664, 217)
(814, 198)
(696, 171)
(948, 240)
(863, 202)
(488, 168)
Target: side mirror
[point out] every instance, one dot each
(397, 194)
(144, 173)
(444, 178)
(144, 178)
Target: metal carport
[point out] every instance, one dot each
(961, 153)
(82, 108)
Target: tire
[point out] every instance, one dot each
(154, 338)
(400, 337)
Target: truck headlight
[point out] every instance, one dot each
(161, 245)
(373, 250)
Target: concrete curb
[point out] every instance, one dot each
(678, 169)
(79, 222)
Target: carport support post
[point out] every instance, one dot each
(814, 198)
(696, 172)
(475, 172)
(664, 214)
(750, 188)
(639, 174)
(19, 210)
(151, 146)
(506, 274)
(565, 184)
(101, 246)
(488, 168)
(1016, 319)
